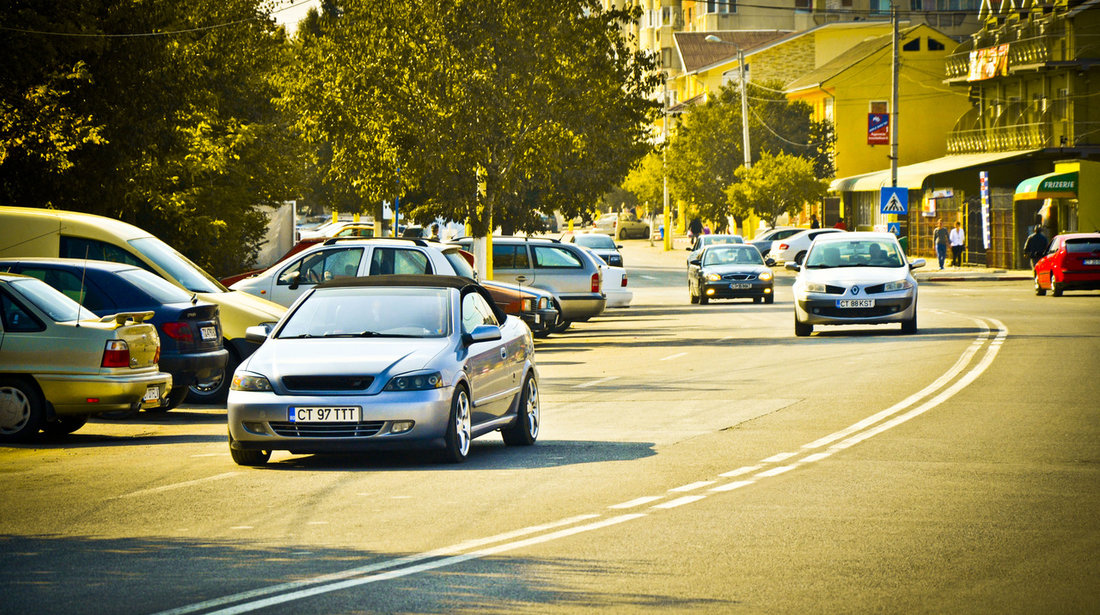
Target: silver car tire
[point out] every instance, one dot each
(246, 457)
(21, 410)
(525, 430)
(458, 436)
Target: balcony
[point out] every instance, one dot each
(1030, 45)
(1000, 139)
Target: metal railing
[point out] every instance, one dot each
(1048, 47)
(999, 139)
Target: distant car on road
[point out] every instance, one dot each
(793, 249)
(729, 271)
(382, 363)
(62, 363)
(855, 278)
(190, 333)
(622, 226)
(1072, 262)
(599, 244)
(763, 241)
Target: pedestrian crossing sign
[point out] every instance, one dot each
(894, 201)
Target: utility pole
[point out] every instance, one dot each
(666, 236)
(744, 96)
(894, 100)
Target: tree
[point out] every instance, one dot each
(705, 151)
(646, 181)
(486, 110)
(775, 185)
(159, 113)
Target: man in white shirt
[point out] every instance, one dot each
(958, 241)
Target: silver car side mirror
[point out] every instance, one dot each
(257, 333)
(482, 333)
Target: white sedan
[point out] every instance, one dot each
(793, 249)
(855, 278)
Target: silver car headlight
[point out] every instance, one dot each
(899, 285)
(713, 277)
(415, 382)
(814, 287)
(767, 275)
(245, 381)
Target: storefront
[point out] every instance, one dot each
(1065, 201)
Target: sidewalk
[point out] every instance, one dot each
(642, 255)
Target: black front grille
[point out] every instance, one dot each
(835, 290)
(326, 430)
(739, 277)
(834, 312)
(327, 383)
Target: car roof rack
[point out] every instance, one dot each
(415, 240)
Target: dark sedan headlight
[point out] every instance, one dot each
(765, 275)
(898, 285)
(245, 381)
(714, 277)
(415, 382)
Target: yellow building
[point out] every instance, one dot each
(857, 83)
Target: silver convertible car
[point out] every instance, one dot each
(853, 279)
(386, 362)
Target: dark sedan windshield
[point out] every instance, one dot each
(371, 312)
(732, 255)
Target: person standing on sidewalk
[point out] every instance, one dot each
(1036, 245)
(958, 241)
(941, 237)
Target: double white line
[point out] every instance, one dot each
(942, 389)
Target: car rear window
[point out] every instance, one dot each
(1083, 245)
(595, 240)
(459, 264)
(158, 288)
(510, 257)
(56, 305)
(555, 257)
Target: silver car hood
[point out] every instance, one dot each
(332, 357)
(846, 276)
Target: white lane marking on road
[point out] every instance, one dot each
(188, 483)
(775, 471)
(939, 383)
(592, 383)
(369, 568)
(673, 356)
(687, 499)
(242, 527)
(779, 457)
(317, 523)
(692, 486)
(638, 502)
(414, 569)
(727, 338)
(740, 471)
(815, 457)
(226, 453)
(731, 486)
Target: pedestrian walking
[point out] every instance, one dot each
(813, 221)
(1035, 246)
(958, 242)
(942, 238)
(695, 227)
(840, 225)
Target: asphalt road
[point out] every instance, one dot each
(692, 458)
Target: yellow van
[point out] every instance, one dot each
(32, 232)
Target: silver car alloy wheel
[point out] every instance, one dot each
(15, 410)
(532, 408)
(462, 423)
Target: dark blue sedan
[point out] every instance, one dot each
(189, 330)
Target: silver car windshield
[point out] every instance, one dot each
(596, 240)
(864, 253)
(57, 305)
(371, 312)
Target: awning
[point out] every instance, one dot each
(1049, 186)
(912, 176)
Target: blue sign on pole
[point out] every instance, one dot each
(894, 201)
(894, 227)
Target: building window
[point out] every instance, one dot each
(879, 107)
(934, 45)
(913, 45)
(721, 6)
(804, 5)
(829, 109)
(880, 7)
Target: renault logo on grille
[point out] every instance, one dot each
(855, 290)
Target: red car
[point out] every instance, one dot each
(1072, 262)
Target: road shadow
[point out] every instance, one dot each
(49, 575)
(486, 453)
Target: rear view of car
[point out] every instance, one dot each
(1072, 262)
(61, 363)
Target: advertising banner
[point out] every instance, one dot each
(878, 129)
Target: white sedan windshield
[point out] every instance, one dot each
(371, 312)
(863, 253)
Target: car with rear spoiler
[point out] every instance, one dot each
(60, 362)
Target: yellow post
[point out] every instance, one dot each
(335, 215)
(668, 227)
(355, 217)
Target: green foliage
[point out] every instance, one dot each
(160, 113)
(476, 109)
(646, 181)
(776, 184)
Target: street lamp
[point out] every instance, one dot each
(744, 101)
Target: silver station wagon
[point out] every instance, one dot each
(386, 362)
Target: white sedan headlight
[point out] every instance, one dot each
(899, 285)
(815, 287)
(245, 381)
